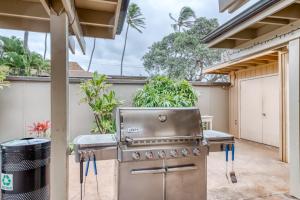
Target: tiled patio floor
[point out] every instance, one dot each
(260, 176)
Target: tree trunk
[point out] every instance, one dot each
(92, 54)
(26, 35)
(123, 54)
(45, 50)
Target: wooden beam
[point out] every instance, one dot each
(294, 116)
(96, 18)
(232, 5)
(292, 12)
(236, 5)
(238, 67)
(245, 64)
(72, 44)
(226, 44)
(259, 62)
(267, 58)
(23, 9)
(59, 106)
(98, 32)
(25, 24)
(46, 6)
(274, 21)
(75, 24)
(247, 34)
(117, 15)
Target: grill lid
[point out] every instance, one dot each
(158, 123)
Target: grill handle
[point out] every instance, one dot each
(182, 169)
(148, 171)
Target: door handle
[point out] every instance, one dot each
(182, 169)
(264, 114)
(148, 171)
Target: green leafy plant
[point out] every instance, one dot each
(3, 72)
(102, 102)
(161, 91)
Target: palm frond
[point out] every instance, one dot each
(135, 18)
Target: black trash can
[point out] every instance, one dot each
(25, 169)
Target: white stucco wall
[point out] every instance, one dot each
(25, 102)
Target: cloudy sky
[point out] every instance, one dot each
(108, 52)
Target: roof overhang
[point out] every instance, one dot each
(260, 19)
(242, 64)
(231, 5)
(91, 18)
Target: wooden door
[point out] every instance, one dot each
(251, 109)
(260, 110)
(270, 113)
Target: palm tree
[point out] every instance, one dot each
(134, 20)
(26, 35)
(46, 46)
(184, 20)
(92, 54)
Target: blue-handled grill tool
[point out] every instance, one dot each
(232, 173)
(91, 154)
(227, 154)
(87, 170)
(95, 171)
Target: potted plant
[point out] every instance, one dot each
(102, 102)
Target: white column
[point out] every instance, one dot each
(59, 106)
(294, 109)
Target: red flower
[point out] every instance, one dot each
(39, 128)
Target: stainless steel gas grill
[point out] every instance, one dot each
(161, 153)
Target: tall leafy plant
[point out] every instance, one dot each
(161, 91)
(3, 72)
(102, 102)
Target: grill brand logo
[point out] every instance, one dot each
(133, 130)
(7, 182)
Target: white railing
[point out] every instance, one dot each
(207, 122)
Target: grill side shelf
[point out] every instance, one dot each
(217, 140)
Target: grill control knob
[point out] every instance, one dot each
(185, 152)
(173, 153)
(161, 154)
(136, 156)
(196, 151)
(149, 155)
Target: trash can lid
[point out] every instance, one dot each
(26, 144)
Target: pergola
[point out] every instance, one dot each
(63, 19)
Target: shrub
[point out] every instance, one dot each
(161, 91)
(102, 102)
(3, 72)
